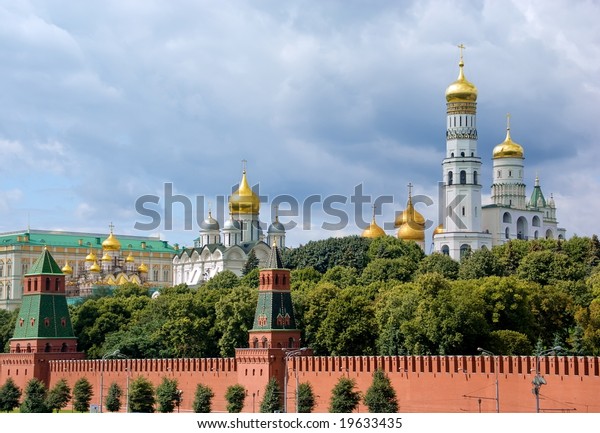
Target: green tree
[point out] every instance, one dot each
(439, 263)
(35, 398)
(349, 251)
(82, 395)
(234, 318)
(344, 398)
(58, 396)
(400, 269)
(306, 398)
(113, 397)
(235, 396)
(271, 401)
(7, 327)
(9, 396)
(381, 396)
(251, 279)
(203, 399)
(390, 247)
(479, 264)
(223, 280)
(141, 395)
(251, 263)
(167, 395)
(341, 276)
(349, 327)
(507, 342)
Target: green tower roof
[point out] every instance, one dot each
(45, 264)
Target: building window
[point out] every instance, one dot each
(463, 177)
(475, 177)
(450, 178)
(464, 250)
(499, 174)
(445, 250)
(1, 268)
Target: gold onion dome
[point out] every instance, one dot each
(91, 257)
(508, 148)
(130, 258)
(95, 267)
(143, 268)
(106, 258)
(411, 231)
(461, 90)
(111, 243)
(438, 230)
(373, 231)
(244, 201)
(67, 269)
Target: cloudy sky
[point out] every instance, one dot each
(106, 103)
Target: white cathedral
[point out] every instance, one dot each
(228, 248)
(467, 225)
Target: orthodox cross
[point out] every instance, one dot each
(461, 47)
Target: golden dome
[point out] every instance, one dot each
(143, 268)
(66, 269)
(508, 148)
(95, 267)
(106, 258)
(91, 257)
(244, 201)
(461, 90)
(130, 258)
(411, 231)
(409, 214)
(111, 243)
(373, 231)
(438, 230)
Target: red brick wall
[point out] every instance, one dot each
(458, 383)
(216, 373)
(422, 383)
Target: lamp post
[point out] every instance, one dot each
(539, 380)
(290, 354)
(487, 352)
(116, 353)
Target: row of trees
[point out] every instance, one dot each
(144, 398)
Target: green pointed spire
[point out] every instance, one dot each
(45, 264)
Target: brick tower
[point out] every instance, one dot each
(43, 330)
(273, 335)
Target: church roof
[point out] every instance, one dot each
(43, 316)
(83, 241)
(45, 264)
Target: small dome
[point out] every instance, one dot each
(95, 267)
(130, 258)
(373, 231)
(438, 230)
(91, 257)
(231, 224)
(209, 224)
(276, 227)
(106, 258)
(67, 269)
(244, 201)
(411, 232)
(111, 243)
(143, 268)
(409, 214)
(461, 90)
(508, 148)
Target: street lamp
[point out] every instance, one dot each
(487, 352)
(538, 380)
(115, 354)
(290, 354)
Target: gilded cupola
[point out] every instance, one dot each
(461, 90)
(67, 269)
(508, 148)
(373, 231)
(111, 243)
(244, 201)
